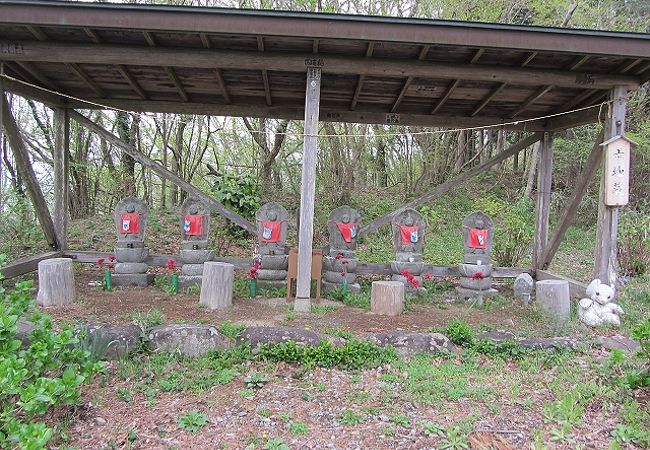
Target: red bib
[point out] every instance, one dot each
(130, 223)
(410, 235)
(271, 231)
(193, 225)
(348, 231)
(478, 238)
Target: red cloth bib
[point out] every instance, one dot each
(348, 231)
(410, 235)
(193, 225)
(130, 223)
(478, 238)
(271, 231)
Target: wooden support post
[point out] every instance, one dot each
(543, 207)
(606, 262)
(571, 208)
(449, 185)
(61, 170)
(163, 172)
(216, 287)
(24, 166)
(308, 191)
(55, 282)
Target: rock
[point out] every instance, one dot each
(131, 255)
(185, 281)
(276, 335)
(339, 277)
(468, 270)
(465, 293)
(619, 342)
(25, 329)
(189, 339)
(132, 279)
(275, 262)
(268, 274)
(271, 284)
(131, 267)
(195, 256)
(113, 341)
(523, 288)
(415, 268)
(192, 269)
(496, 336)
(476, 284)
(409, 344)
(551, 343)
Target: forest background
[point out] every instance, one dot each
(245, 162)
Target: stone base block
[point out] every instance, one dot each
(185, 281)
(275, 262)
(347, 254)
(408, 257)
(267, 274)
(195, 256)
(132, 279)
(332, 264)
(271, 284)
(194, 245)
(131, 268)
(192, 269)
(403, 279)
(354, 288)
(129, 244)
(477, 285)
(271, 249)
(131, 255)
(468, 270)
(338, 277)
(465, 293)
(474, 258)
(415, 268)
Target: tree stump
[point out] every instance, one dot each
(387, 298)
(553, 299)
(55, 282)
(216, 288)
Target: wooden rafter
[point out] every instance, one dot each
(92, 34)
(265, 74)
(454, 84)
(205, 40)
(132, 81)
(35, 73)
(171, 73)
(87, 79)
(357, 90)
(423, 53)
(314, 47)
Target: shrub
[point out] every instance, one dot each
(634, 243)
(460, 333)
(37, 377)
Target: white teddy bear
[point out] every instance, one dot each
(597, 309)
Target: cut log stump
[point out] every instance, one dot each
(216, 287)
(387, 298)
(554, 299)
(55, 282)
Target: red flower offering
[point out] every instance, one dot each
(111, 257)
(100, 262)
(171, 264)
(428, 276)
(478, 276)
(110, 265)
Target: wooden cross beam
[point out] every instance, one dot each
(448, 185)
(163, 172)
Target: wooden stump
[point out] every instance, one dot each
(216, 287)
(55, 282)
(387, 298)
(553, 298)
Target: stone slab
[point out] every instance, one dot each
(619, 342)
(132, 279)
(338, 277)
(336, 265)
(415, 268)
(409, 344)
(185, 281)
(473, 258)
(195, 256)
(275, 262)
(129, 244)
(277, 335)
(192, 269)
(131, 267)
(271, 284)
(523, 288)
(194, 245)
(465, 293)
(130, 255)
(268, 274)
(187, 339)
(468, 270)
(114, 341)
(477, 284)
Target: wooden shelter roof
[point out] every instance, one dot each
(374, 69)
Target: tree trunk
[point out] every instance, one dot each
(128, 163)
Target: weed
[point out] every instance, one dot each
(285, 416)
(323, 309)
(264, 412)
(146, 321)
(275, 444)
(256, 380)
(124, 395)
(192, 421)
(389, 431)
(400, 419)
(247, 393)
(432, 429)
(349, 417)
(460, 333)
(232, 330)
(298, 428)
(455, 440)
(307, 396)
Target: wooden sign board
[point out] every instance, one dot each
(617, 170)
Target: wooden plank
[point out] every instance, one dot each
(24, 90)
(357, 90)
(423, 53)
(179, 86)
(576, 288)
(24, 167)
(454, 84)
(265, 74)
(606, 260)
(571, 208)
(26, 265)
(87, 79)
(131, 80)
(203, 58)
(488, 98)
(308, 191)
(543, 204)
(532, 99)
(163, 172)
(61, 171)
(222, 85)
(448, 185)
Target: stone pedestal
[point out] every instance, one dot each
(131, 224)
(340, 262)
(387, 298)
(476, 270)
(55, 282)
(272, 231)
(195, 228)
(409, 229)
(216, 287)
(554, 299)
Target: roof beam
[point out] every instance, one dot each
(205, 40)
(423, 53)
(265, 74)
(297, 112)
(92, 34)
(357, 90)
(171, 73)
(198, 58)
(454, 84)
(86, 78)
(34, 72)
(132, 81)
(314, 47)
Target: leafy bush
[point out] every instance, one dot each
(193, 421)
(460, 333)
(634, 243)
(232, 330)
(237, 192)
(513, 233)
(37, 377)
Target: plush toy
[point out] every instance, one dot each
(597, 309)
